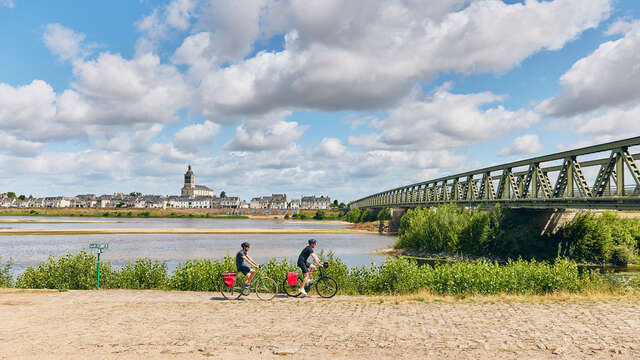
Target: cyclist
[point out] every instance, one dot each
(243, 261)
(304, 264)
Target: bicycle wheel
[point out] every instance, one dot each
(266, 288)
(293, 291)
(326, 287)
(230, 292)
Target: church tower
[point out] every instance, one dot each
(190, 189)
(189, 183)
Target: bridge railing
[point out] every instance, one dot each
(556, 180)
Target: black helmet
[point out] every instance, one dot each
(312, 241)
(245, 245)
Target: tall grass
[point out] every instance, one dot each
(6, 279)
(395, 276)
(143, 274)
(70, 271)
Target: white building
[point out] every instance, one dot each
(183, 202)
(57, 201)
(315, 203)
(294, 204)
(230, 202)
(278, 201)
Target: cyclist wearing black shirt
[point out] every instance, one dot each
(243, 261)
(303, 263)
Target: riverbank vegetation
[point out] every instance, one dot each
(356, 215)
(6, 278)
(124, 212)
(215, 213)
(395, 276)
(507, 234)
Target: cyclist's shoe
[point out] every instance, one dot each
(303, 292)
(246, 290)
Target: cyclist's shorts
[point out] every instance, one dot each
(304, 267)
(244, 269)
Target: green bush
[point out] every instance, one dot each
(586, 239)
(303, 216)
(70, 271)
(286, 216)
(621, 255)
(353, 215)
(448, 228)
(384, 214)
(6, 277)
(319, 215)
(510, 234)
(143, 274)
(201, 274)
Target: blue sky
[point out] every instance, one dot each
(343, 98)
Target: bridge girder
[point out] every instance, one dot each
(532, 187)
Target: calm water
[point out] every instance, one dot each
(353, 249)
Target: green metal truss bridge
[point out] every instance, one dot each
(552, 181)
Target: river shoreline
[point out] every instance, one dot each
(178, 231)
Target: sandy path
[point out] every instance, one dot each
(127, 324)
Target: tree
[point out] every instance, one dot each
(319, 215)
(22, 197)
(135, 194)
(11, 195)
(384, 214)
(223, 195)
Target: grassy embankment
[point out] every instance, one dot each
(395, 276)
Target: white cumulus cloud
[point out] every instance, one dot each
(366, 55)
(523, 145)
(331, 147)
(191, 138)
(610, 76)
(445, 120)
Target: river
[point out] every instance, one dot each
(24, 250)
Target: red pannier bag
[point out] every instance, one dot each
(292, 278)
(229, 279)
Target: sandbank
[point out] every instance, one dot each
(177, 231)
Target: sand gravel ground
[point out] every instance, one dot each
(128, 324)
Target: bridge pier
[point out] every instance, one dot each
(396, 215)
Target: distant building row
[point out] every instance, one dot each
(275, 201)
(192, 196)
(279, 201)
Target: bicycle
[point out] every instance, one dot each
(325, 285)
(264, 287)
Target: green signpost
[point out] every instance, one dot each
(100, 247)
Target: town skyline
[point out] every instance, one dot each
(191, 196)
(360, 97)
